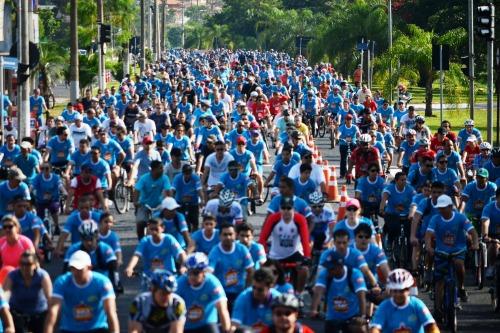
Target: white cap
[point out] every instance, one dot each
(25, 145)
(254, 94)
(78, 116)
(443, 201)
(472, 138)
(79, 260)
(169, 203)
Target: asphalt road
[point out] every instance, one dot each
(476, 316)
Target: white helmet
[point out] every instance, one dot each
(399, 279)
(469, 122)
(485, 145)
(365, 138)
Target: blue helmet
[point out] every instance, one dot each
(197, 260)
(163, 279)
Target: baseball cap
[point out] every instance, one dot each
(141, 114)
(443, 201)
(352, 203)
(254, 125)
(472, 138)
(25, 145)
(147, 140)
(169, 203)
(424, 142)
(483, 173)
(78, 116)
(79, 260)
(286, 202)
(296, 135)
(15, 173)
(241, 140)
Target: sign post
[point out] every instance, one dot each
(11, 64)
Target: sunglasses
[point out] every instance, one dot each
(259, 289)
(154, 229)
(287, 208)
(317, 206)
(363, 237)
(8, 226)
(195, 272)
(429, 165)
(373, 170)
(352, 209)
(443, 162)
(27, 263)
(285, 313)
(219, 149)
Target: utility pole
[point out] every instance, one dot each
(368, 66)
(498, 97)
(489, 108)
(74, 80)
(142, 62)
(471, 57)
(183, 33)
(100, 47)
(24, 58)
(156, 31)
(162, 35)
(389, 10)
(362, 56)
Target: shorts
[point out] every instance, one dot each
(296, 258)
(441, 266)
(260, 169)
(53, 208)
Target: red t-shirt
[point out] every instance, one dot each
(436, 144)
(362, 159)
(471, 154)
(275, 104)
(260, 110)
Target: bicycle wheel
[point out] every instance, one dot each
(479, 268)
(321, 126)
(451, 311)
(403, 254)
(121, 196)
(266, 190)
(332, 138)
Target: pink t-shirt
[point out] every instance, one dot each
(11, 254)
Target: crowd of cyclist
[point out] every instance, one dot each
(191, 136)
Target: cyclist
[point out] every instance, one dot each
(59, 148)
(204, 296)
(490, 227)
(27, 162)
(285, 310)
(402, 312)
(142, 160)
(449, 230)
(78, 158)
(109, 236)
(289, 239)
(281, 167)
(208, 237)
(158, 309)
(215, 165)
(174, 223)
(150, 190)
(11, 188)
(407, 148)
(363, 156)
(310, 107)
(253, 306)
(418, 177)
(100, 169)
(476, 195)
(31, 225)
(323, 218)
(244, 232)
(394, 207)
(345, 292)
(85, 298)
(347, 135)
(102, 256)
(187, 189)
(9, 151)
(493, 166)
(453, 158)
(37, 103)
(225, 208)
(469, 153)
(484, 157)
(369, 192)
(467, 132)
(157, 250)
(231, 262)
(30, 288)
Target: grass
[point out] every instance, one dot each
(457, 120)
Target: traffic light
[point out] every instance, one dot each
(105, 33)
(22, 73)
(486, 22)
(465, 65)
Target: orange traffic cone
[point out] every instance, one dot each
(326, 171)
(333, 188)
(343, 201)
(320, 159)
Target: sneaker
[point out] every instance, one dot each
(462, 293)
(490, 272)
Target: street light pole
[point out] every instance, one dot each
(182, 21)
(100, 48)
(23, 110)
(142, 62)
(74, 80)
(389, 10)
(471, 56)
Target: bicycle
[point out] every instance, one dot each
(333, 129)
(398, 253)
(321, 124)
(480, 264)
(494, 290)
(450, 299)
(122, 193)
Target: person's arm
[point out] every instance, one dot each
(362, 303)
(383, 202)
(372, 281)
(131, 265)
(36, 238)
(430, 328)
(428, 242)
(249, 278)
(400, 158)
(177, 326)
(110, 309)
(110, 180)
(319, 290)
(415, 222)
(60, 243)
(52, 313)
(135, 326)
(475, 239)
(463, 202)
(190, 246)
(101, 199)
(304, 237)
(7, 321)
(224, 318)
(47, 286)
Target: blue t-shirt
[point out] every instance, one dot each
(281, 169)
(426, 209)
(83, 305)
(478, 198)
(257, 150)
(353, 258)
(411, 317)
(126, 144)
(299, 205)
(109, 151)
(9, 155)
(493, 171)
(374, 257)
(371, 192)
(258, 254)
(448, 178)
(409, 150)
(186, 192)
(183, 144)
(106, 255)
(69, 117)
(112, 239)
(238, 185)
(60, 151)
(454, 160)
(492, 212)
(343, 225)
(78, 159)
(7, 194)
(243, 160)
(175, 227)
(158, 256)
(151, 189)
(248, 312)
(27, 165)
(201, 300)
(348, 134)
(29, 222)
(303, 189)
(450, 234)
(204, 244)
(100, 169)
(399, 202)
(74, 220)
(46, 189)
(38, 102)
(231, 267)
(342, 302)
(463, 135)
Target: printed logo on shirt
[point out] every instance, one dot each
(157, 263)
(82, 312)
(449, 239)
(402, 329)
(340, 304)
(478, 204)
(231, 278)
(195, 313)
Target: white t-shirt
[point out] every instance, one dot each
(144, 128)
(217, 169)
(285, 241)
(317, 174)
(79, 133)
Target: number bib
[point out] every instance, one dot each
(82, 312)
(449, 239)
